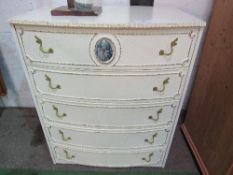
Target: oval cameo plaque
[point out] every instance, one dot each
(104, 50)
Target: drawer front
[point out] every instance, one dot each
(109, 159)
(110, 87)
(162, 50)
(57, 47)
(110, 116)
(156, 48)
(109, 138)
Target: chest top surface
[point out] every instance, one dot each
(113, 16)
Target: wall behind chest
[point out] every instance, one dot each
(17, 87)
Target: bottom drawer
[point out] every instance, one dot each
(109, 158)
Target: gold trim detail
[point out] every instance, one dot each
(152, 140)
(69, 157)
(63, 136)
(47, 78)
(149, 157)
(157, 115)
(57, 112)
(39, 41)
(172, 45)
(165, 82)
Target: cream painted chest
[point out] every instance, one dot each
(109, 90)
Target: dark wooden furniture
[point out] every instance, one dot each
(2, 86)
(142, 2)
(70, 10)
(208, 127)
(70, 4)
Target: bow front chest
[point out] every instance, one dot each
(109, 89)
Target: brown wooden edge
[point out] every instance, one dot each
(2, 86)
(70, 4)
(195, 152)
(142, 2)
(230, 171)
(65, 11)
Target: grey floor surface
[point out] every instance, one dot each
(22, 145)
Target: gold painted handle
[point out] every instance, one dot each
(152, 139)
(57, 113)
(173, 44)
(157, 115)
(63, 136)
(39, 41)
(47, 78)
(69, 157)
(148, 159)
(165, 82)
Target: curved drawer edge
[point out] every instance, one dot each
(84, 115)
(108, 158)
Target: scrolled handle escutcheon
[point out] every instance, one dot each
(148, 159)
(57, 112)
(157, 115)
(68, 156)
(152, 140)
(165, 82)
(63, 136)
(172, 45)
(39, 41)
(47, 78)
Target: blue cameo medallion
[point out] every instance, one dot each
(104, 49)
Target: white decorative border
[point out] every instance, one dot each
(105, 25)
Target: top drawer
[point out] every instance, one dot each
(155, 48)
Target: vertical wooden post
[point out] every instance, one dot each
(209, 122)
(70, 3)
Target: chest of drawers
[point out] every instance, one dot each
(109, 90)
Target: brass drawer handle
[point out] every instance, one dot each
(148, 159)
(152, 140)
(165, 82)
(63, 136)
(47, 78)
(173, 44)
(69, 157)
(157, 115)
(39, 41)
(57, 113)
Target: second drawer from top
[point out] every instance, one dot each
(110, 86)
